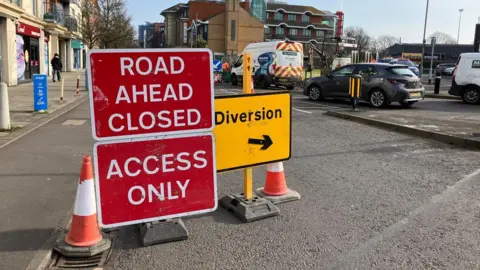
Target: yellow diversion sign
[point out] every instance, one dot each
(252, 129)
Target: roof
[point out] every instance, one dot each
(295, 9)
(175, 8)
(304, 25)
(399, 48)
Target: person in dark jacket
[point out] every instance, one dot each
(56, 66)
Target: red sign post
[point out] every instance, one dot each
(139, 92)
(144, 180)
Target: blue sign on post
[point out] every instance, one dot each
(40, 92)
(217, 65)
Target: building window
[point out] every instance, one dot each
(293, 32)
(34, 7)
(278, 16)
(307, 32)
(279, 31)
(233, 29)
(258, 9)
(292, 17)
(267, 30)
(305, 18)
(320, 33)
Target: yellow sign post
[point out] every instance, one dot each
(251, 130)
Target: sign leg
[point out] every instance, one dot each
(164, 231)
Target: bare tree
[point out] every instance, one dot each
(89, 24)
(442, 38)
(116, 27)
(360, 35)
(385, 41)
(106, 24)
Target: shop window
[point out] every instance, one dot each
(34, 7)
(305, 18)
(293, 32)
(233, 28)
(278, 16)
(292, 17)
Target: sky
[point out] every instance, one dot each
(404, 19)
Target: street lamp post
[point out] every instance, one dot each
(434, 39)
(423, 41)
(459, 21)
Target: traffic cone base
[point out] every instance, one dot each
(275, 189)
(84, 238)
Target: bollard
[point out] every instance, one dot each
(354, 90)
(436, 90)
(78, 84)
(61, 91)
(4, 107)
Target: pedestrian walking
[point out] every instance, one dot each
(56, 66)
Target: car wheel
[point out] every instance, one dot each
(314, 93)
(234, 79)
(407, 104)
(377, 98)
(471, 96)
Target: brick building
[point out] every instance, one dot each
(228, 26)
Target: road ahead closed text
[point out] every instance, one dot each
(150, 92)
(148, 179)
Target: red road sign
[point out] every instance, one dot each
(137, 92)
(143, 180)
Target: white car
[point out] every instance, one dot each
(466, 78)
(449, 71)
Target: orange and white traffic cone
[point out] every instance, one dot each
(275, 189)
(84, 238)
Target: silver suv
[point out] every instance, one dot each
(382, 84)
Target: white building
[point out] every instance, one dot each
(32, 31)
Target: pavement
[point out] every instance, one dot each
(371, 199)
(21, 103)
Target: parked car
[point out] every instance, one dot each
(466, 78)
(449, 71)
(440, 68)
(382, 84)
(409, 64)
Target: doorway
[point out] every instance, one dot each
(34, 57)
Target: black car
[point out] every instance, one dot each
(441, 67)
(381, 83)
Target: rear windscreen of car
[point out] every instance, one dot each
(400, 71)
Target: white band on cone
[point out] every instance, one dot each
(85, 199)
(275, 167)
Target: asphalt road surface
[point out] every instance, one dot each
(371, 199)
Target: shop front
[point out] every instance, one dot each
(28, 51)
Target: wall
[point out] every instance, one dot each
(250, 30)
(216, 33)
(204, 10)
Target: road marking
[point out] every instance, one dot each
(450, 193)
(72, 122)
(298, 110)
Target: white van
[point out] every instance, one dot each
(466, 78)
(274, 62)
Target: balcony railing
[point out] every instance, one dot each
(53, 13)
(71, 23)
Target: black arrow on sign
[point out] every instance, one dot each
(266, 142)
